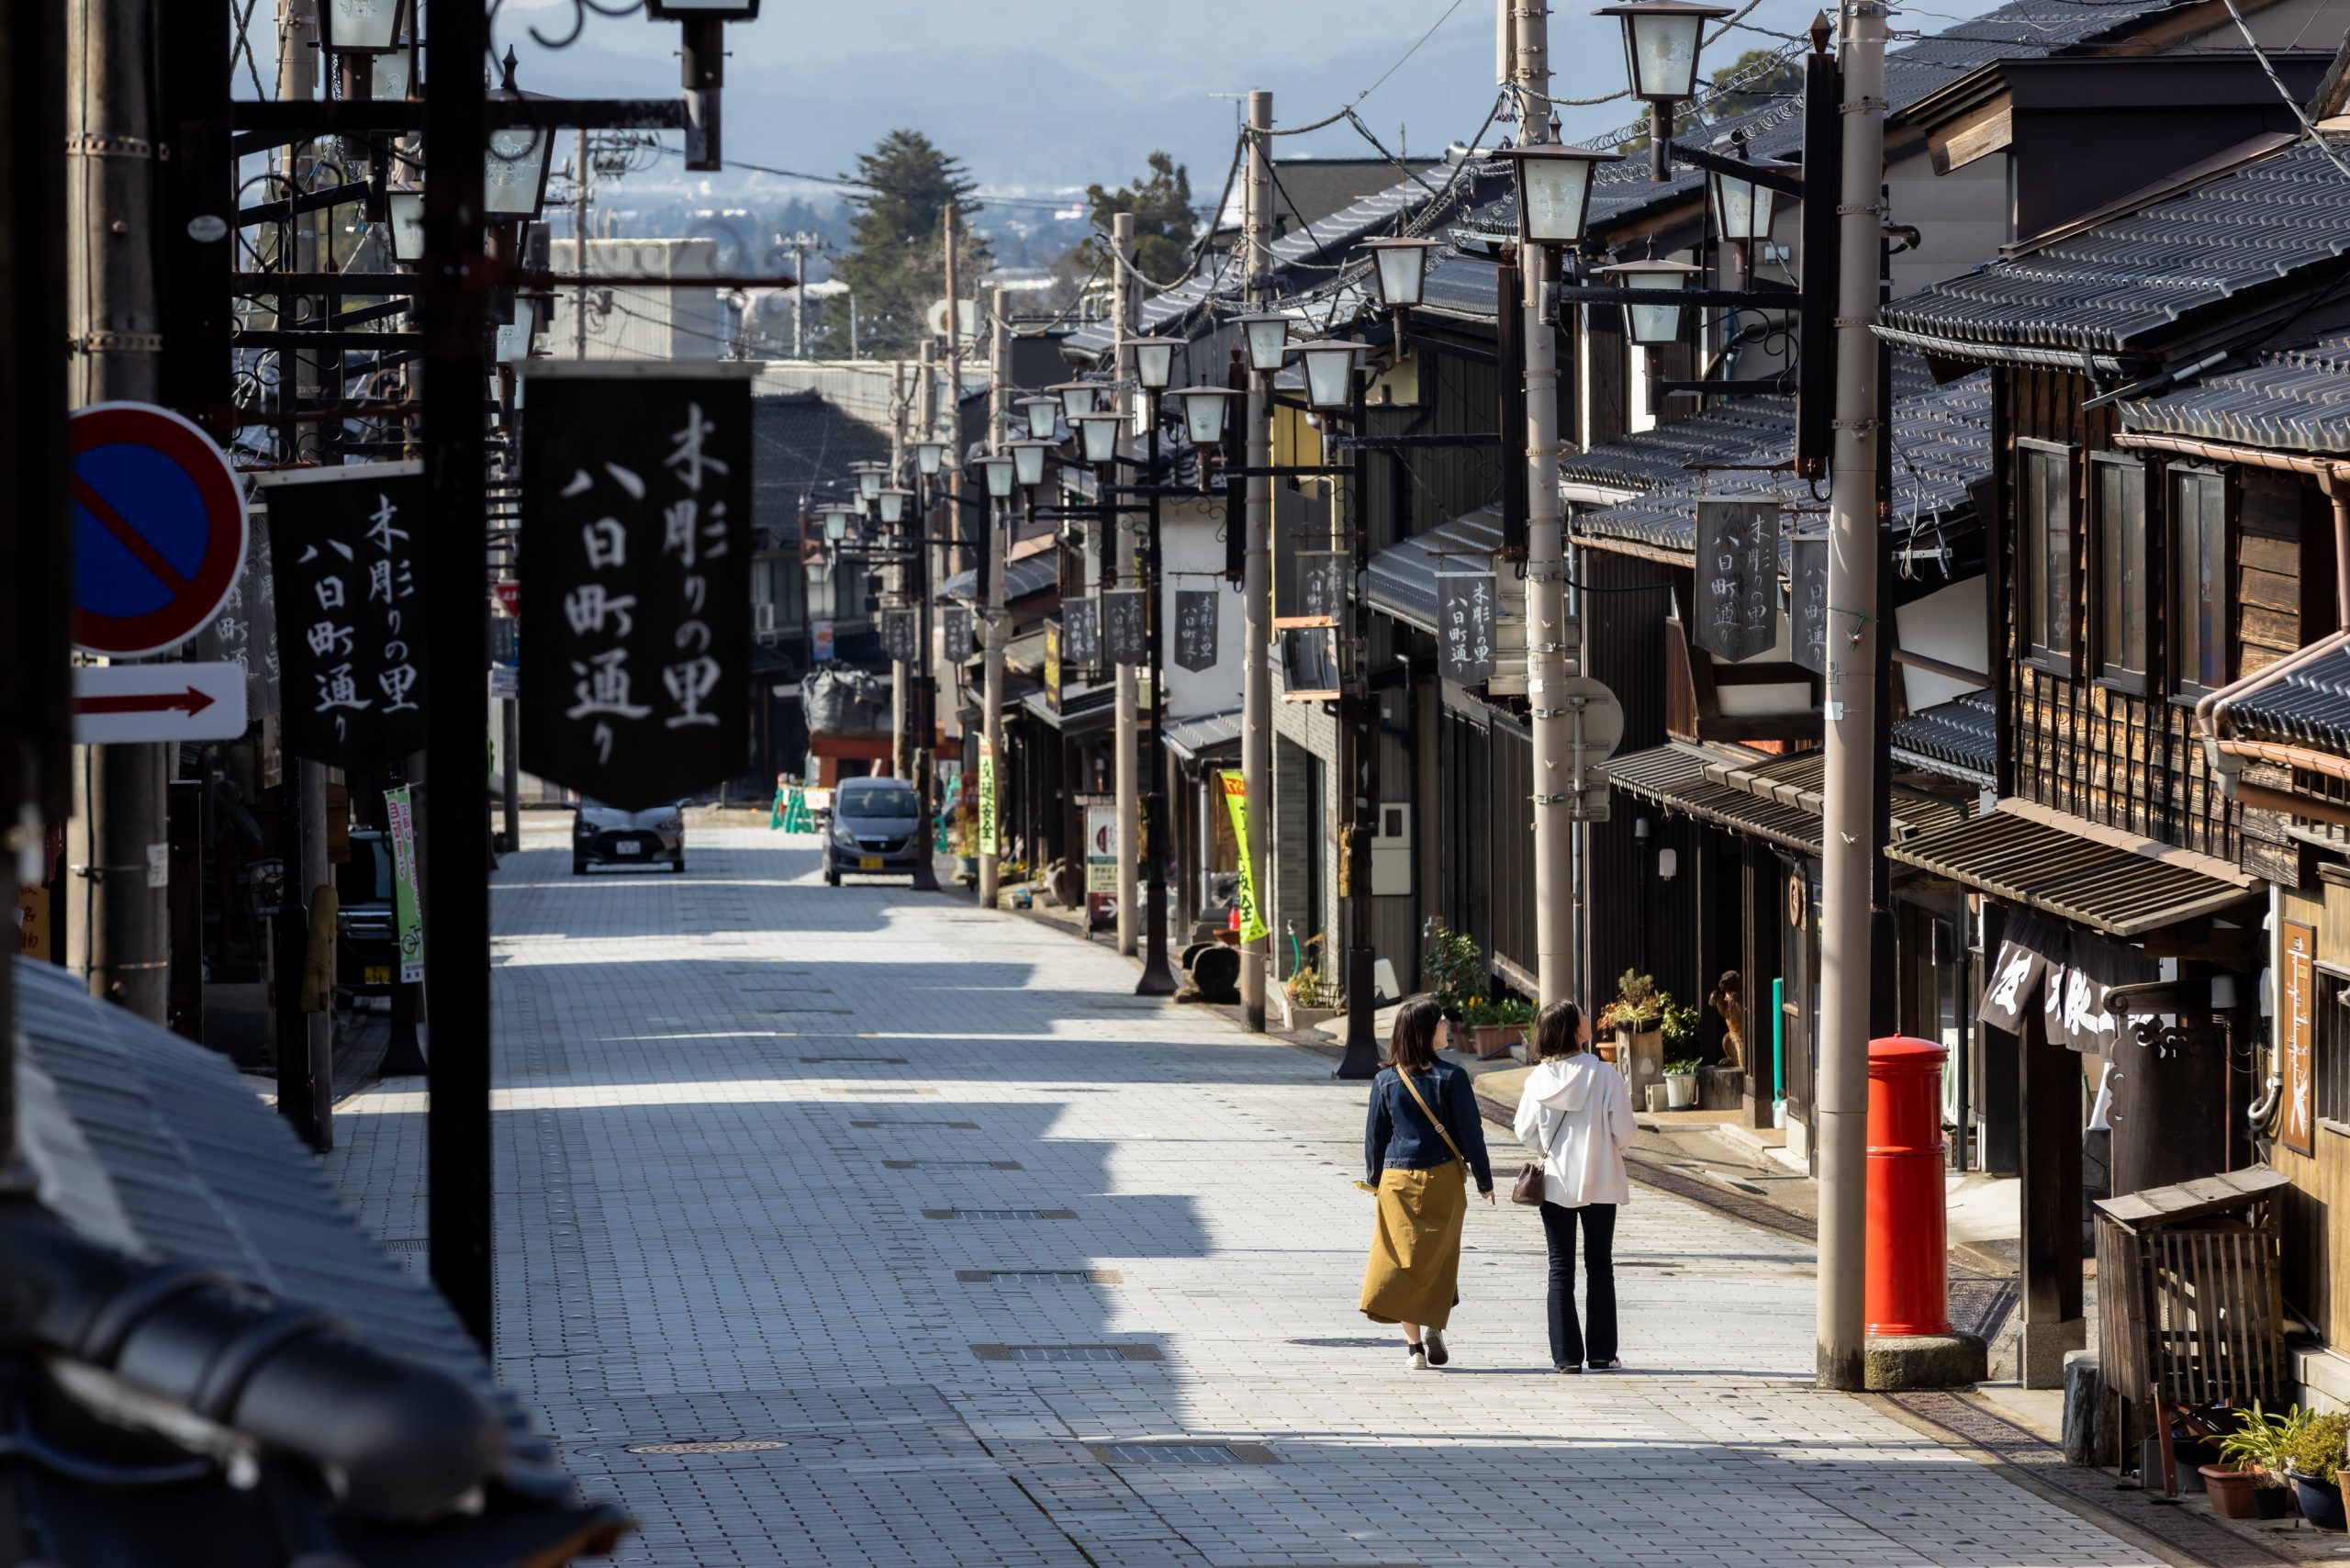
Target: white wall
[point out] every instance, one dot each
(1949, 626)
(646, 321)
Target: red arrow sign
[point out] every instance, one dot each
(188, 701)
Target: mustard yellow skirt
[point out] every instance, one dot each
(1414, 1276)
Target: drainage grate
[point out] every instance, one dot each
(881, 1061)
(1069, 1276)
(1355, 1342)
(907, 1122)
(407, 1244)
(943, 1164)
(999, 1213)
(734, 1445)
(1183, 1453)
(875, 1088)
(1059, 1353)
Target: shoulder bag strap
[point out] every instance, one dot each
(1404, 1074)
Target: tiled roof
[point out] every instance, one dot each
(1403, 576)
(1197, 736)
(1032, 573)
(1957, 739)
(804, 441)
(2294, 398)
(1655, 459)
(1941, 442)
(2308, 706)
(2142, 282)
(2075, 869)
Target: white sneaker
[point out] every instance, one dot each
(1415, 1359)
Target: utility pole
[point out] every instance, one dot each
(991, 733)
(1118, 554)
(953, 467)
(1256, 580)
(304, 1041)
(582, 193)
(1548, 630)
(117, 924)
(902, 673)
(799, 244)
(1854, 542)
(925, 692)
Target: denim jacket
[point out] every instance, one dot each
(1397, 1134)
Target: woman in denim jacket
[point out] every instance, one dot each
(1422, 1126)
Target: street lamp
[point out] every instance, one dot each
(1554, 189)
(930, 456)
(1097, 436)
(894, 505)
(869, 478)
(1653, 326)
(1077, 399)
(1329, 372)
(405, 210)
(1660, 42)
(1154, 361)
(360, 26)
(1402, 270)
(701, 59)
(998, 468)
(1204, 408)
(1267, 338)
(1743, 210)
(1028, 459)
(836, 522)
(514, 165)
(1042, 414)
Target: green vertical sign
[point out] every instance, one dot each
(988, 844)
(399, 818)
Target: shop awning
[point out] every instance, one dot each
(2078, 870)
(1080, 712)
(1203, 736)
(1403, 576)
(1775, 799)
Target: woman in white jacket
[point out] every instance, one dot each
(1576, 1116)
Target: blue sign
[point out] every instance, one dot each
(159, 529)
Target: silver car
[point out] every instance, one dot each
(877, 828)
(607, 836)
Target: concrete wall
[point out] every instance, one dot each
(645, 322)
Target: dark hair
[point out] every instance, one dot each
(1557, 1031)
(1412, 1041)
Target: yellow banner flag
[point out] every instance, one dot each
(1236, 800)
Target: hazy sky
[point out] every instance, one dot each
(1036, 95)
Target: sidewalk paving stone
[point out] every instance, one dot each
(724, 1221)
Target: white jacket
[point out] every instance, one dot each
(1591, 1099)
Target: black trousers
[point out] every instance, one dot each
(1570, 1345)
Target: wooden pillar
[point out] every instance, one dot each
(2050, 1122)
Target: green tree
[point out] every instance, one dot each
(895, 264)
(1165, 226)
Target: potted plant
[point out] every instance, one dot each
(2249, 1482)
(1681, 1083)
(1636, 1019)
(1306, 998)
(1491, 1028)
(1677, 1035)
(1454, 969)
(2313, 1461)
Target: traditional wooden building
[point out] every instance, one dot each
(2134, 578)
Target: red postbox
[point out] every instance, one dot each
(1908, 1285)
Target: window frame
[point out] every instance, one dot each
(2186, 685)
(2108, 673)
(2031, 556)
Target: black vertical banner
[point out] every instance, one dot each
(636, 595)
(1195, 628)
(1465, 625)
(1126, 629)
(1081, 634)
(349, 608)
(1809, 612)
(1737, 575)
(955, 631)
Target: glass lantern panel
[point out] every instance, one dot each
(1401, 269)
(1203, 419)
(1553, 193)
(509, 177)
(1328, 373)
(1663, 55)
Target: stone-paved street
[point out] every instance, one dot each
(1003, 1265)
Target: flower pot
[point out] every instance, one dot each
(2321, 1501)
(2272, 1502)
(1680, 1091)
(2231, 1491)
(1639, 1053)
(1491, 1040)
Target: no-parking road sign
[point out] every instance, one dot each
(159, 529)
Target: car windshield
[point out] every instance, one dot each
(877, 802)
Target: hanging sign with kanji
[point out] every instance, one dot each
(1807, 612)
(350, 609)
(1195, 628)
(1126, 627)
(1465, 625)
(636, 502)
(1737, 575)
(955, 631)
(1081, 632)
(1321, 584)
(901, 636)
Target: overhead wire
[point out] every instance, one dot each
(2308, 128)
